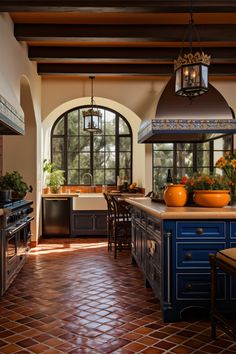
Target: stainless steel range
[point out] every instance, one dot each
(15, 239)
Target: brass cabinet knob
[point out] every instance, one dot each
(188, 256)
(188, 287)
(199, 231)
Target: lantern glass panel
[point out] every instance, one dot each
(204, 76)
(191, 76)
(178, 79)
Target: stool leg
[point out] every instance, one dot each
(213, 295)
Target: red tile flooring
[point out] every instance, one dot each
(73, 297)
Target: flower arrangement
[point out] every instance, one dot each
(206, 182)
(227, 163)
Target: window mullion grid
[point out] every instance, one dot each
(174, 161)
(117, 146)
(91, 153)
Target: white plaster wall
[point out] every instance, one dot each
(15, 65)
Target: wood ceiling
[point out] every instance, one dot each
(122, 38)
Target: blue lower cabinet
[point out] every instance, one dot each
(174, 257)
(87, 223)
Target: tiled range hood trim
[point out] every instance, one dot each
(11, 121)
(179, 120)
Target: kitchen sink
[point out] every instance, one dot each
(90, 201)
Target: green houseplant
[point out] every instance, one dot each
(13, 181)
(54, 177)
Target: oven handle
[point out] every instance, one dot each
(21, 226)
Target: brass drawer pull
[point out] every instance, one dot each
(188, 287)
(199, 231)
(188, 256)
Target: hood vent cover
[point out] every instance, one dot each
(11, 120)
(179, 119)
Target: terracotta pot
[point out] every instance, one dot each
(175, 195)
(211, 199)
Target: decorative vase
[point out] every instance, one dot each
(175, 195)
(211, 198)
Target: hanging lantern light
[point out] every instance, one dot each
(191, 69)
(92, 116)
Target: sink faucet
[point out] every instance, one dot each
(91, 181)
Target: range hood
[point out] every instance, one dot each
(11, 119)
(179, 119)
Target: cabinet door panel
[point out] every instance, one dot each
(83, 222)
(100, 221)
(233, 230)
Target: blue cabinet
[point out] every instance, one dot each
(89, 223)
(174, 257)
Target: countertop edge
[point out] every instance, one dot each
(166, 213)
(60, 195)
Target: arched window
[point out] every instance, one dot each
(105, 155)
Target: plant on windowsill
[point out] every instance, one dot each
(54, 177)
(208, 190)
(13, 182)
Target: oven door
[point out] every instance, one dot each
(17, 246)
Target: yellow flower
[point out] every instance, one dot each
(221, 163)
(233, 163)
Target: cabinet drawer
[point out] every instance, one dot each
(197, 286)
(196, 255)
(200, 230)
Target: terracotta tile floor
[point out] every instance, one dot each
(73, 297)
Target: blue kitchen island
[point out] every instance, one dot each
(171, 245)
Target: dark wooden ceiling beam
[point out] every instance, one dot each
(124, 69)
(102, 6)
(113, 33)
(121, 54)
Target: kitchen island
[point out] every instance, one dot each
(172, 246)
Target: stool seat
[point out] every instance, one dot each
(227, 256)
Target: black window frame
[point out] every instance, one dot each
(117, 136)
(194, 168)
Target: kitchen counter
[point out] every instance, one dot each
(161, 211)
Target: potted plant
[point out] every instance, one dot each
(227, 163)
(14, 186)
(54, 177)
(208, 190)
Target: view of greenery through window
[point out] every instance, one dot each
(187, 158)
(105, 155)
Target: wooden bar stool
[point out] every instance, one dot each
(110, 219)
(223, 260)
(121, 227)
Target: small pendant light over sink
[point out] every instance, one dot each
(92, 116)
(191, 68)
